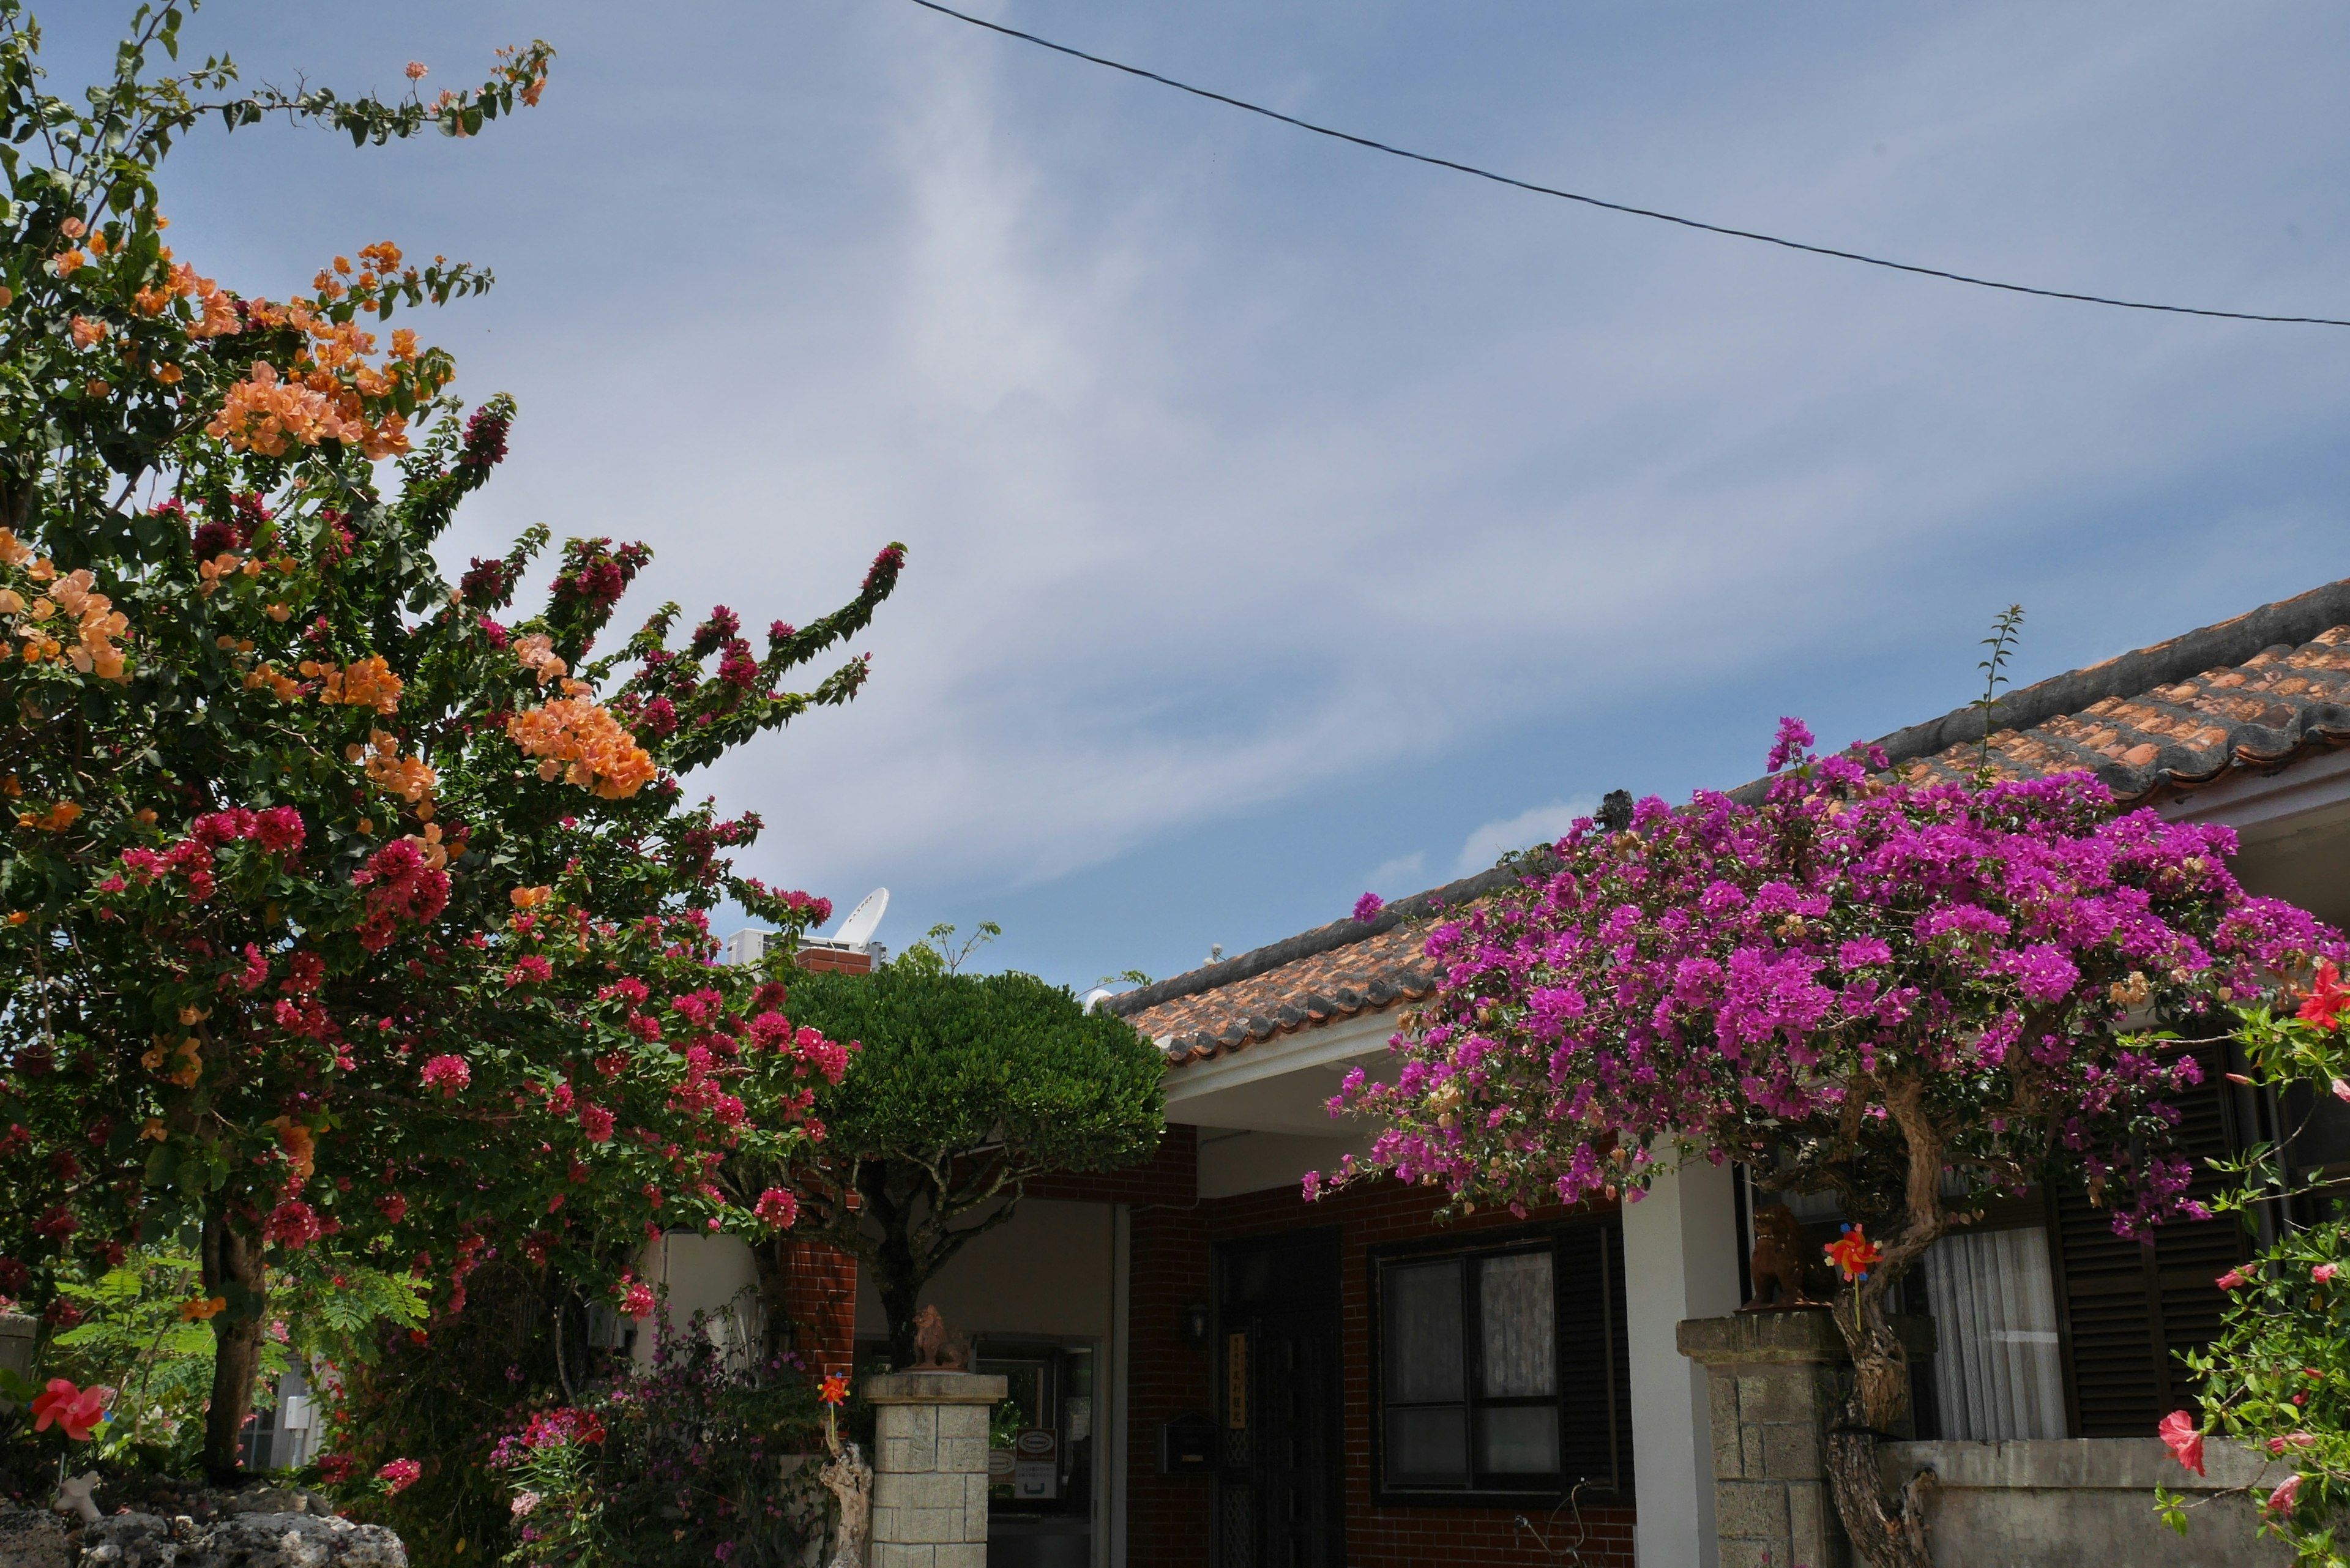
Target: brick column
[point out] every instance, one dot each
(819, 1290)
(929, 1468)
(1775, 1382)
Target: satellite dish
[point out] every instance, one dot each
(864, 919)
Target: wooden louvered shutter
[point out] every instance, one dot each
(1594, 1346)
(2130, 1307)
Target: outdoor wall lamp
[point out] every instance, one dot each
(1195, 1324)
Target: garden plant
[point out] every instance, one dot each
(966, 1087)
(349, 916)
(1910, 994)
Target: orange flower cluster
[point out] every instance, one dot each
(281, 685)
(87, 639)
(212, 573)
(264, 414)
(579, 741)
(537, 655)
(301, 1149)
(410, 778)
(186, 1057)
(96, 624)
(369, 683)
(529, 898)
(213, 311)
(56, 819)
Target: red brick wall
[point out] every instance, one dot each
(1169, 1519)
(820, 1298)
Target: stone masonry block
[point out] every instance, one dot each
(963, 1456)
(1789, 1394)
(974, 1507)
(970, 1554)
(963, 1421)
(918, 1526)
(1721, 1394)
(906, 1421)
(895, 1554)
(1749, 1453)
(1816, 1537)
(1791, 1453)
(1748, 1554)
(1754, 1510)
(918, 1491)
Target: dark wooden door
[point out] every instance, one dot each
(1280, 1497)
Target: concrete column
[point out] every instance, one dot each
(930, 1469)
(1681, 1260)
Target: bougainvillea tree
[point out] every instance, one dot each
(1909, 996)
(344, 911)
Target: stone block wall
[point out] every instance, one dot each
(930, 1469)
(1775, 1381)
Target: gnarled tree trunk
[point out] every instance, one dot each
(231, 1269)
(1888, 1530)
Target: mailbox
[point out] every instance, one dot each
(1187, 1446)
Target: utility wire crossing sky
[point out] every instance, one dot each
(1472, 169)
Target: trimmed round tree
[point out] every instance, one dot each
(339, 916)
(964, 1088)
(1910, 996)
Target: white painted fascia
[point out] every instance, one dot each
(1321, 1045)
(2254, 800)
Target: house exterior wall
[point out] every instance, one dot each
(1171, 1518)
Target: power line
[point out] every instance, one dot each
(1471, 168)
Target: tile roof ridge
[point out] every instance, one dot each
(2291, 623)
(1343, 933)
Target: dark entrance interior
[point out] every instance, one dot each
(1280, 1494)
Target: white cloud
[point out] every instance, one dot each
(1398, 878)
(1535, 825)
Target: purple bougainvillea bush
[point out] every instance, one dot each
(1910, 994)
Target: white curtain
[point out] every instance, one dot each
(1996, 1374)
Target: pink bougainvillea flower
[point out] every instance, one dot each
(450, 1074)
(1367, 908)
(399, 1476)
(79, 1411)
(2326, 998)
(2179, 1435)
(2287, 1494)
(2324, 1272)
(777, 1207)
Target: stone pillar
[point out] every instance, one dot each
(1775, 1382)
(1681, 1260)
(930, 1469)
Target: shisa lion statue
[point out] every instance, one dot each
(937, 1348)
(1777, 1267)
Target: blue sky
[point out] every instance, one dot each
(1286, 520)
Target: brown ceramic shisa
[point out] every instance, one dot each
(1777, 1266)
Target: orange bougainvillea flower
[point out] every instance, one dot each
(530, 898)
(579, 742)
(201, 1309)
(56, 819)
(1854, 1253)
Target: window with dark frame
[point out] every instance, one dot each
(1502, 1368)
